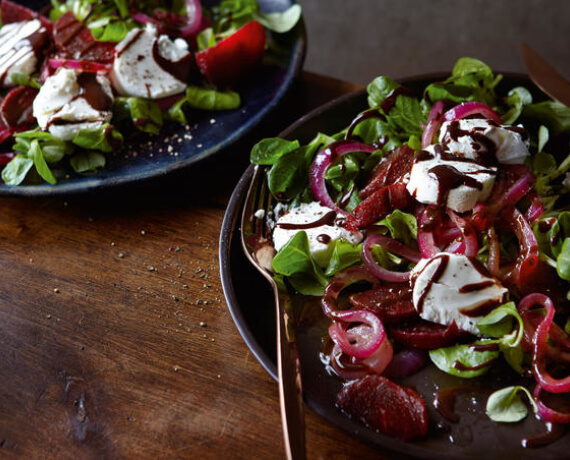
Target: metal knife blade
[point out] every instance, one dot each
(545, 76)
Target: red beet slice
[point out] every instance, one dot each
(392, 303)
(381, 203)
(428, 336)
(393, 410)
(16, 108)
(73, 40)
(12, 12)
(396, 165)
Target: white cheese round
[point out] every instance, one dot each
(471, 138)
(321, 237)
(16, 50)
(136, 73)
(60, 98)
(454, 291)
(426, 186)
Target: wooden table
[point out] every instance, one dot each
(115, 338)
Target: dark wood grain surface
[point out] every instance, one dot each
(115, 339)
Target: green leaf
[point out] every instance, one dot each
(269, 150)
(499, 322)
(87, 161)
(280, 22)
(206, 39)
(516, 99)
(294, 260)
(16, 171)
(112, 32)
(505, 405)
(402, 226)
(105, 138)
(379, 89)
(40, 163)
(203, 99)
(23, 79)
(144, 113)
(463, 360)
(563, 261)
(471, 80)
(543, 136)
(289, 174)
(344, 255)
(552, 114)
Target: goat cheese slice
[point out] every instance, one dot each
(477, 139)
(319, 222)
(70, 101)
(453, 287)
(135, 70)
(18, 43)
(459, 185)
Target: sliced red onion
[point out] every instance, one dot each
(194, 15)
(466, 109)
(470, 244)
(536, 207)
(520, 188)
(527, 261)
(321, 163)
(406, 362)
(142, 18)
(338, 283)
(546, 413)
(84, 66)
(391, 245)
(426, 238)
(544, 379)
(360, 341)
(433, 124)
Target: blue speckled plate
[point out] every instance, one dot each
(207, 133)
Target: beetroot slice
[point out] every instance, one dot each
(427, 335)
(379, 204)
(73, 40)
(395, 411)
(392, 303)
(16, 109)
(391, 170)
(12, 12)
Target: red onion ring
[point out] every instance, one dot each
(338, 283)
(466, 109)
(391, 245)
(84, 66)
(363, 340)
(536, 207)
(470, 244)
(321, 163)
(433, 124)
(520, 188)
(194, 15)
(544, 379)
(426, 238)
(546, 413)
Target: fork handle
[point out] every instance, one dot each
(290, 388)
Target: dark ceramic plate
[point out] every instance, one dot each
(211, 132)
(250, 302)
